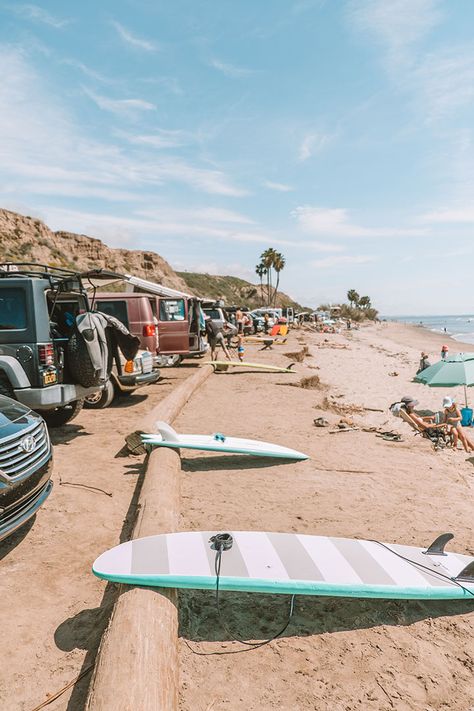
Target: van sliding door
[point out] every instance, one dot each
(173, 326)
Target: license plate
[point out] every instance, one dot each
(49, 378)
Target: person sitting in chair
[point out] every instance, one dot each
(427, 423)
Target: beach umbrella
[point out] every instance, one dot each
(456, 370)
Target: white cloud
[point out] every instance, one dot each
(445, 81)
(457, 215)
(335, 222)
(38, 14)
(42, 143)
(397, 25)
(341, 260)
(128, 108)
(160, 139)
(88, 72)
(278, 187)
(231, 70)
(311, 144)
(132, 40)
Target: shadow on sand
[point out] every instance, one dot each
(255, 616)
(231, 461)
(85, 630)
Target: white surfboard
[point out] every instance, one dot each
(168, 437)
(290, 563)
(223, 365)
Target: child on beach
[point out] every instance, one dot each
(452, 417)
(240, 348)
(444, 352)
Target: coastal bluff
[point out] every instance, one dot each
(28, 239)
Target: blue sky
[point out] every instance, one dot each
(338, 132)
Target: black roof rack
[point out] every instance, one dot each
(35, 269)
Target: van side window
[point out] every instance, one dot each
(172, 310)
(115, 307)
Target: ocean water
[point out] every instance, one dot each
(460, 327)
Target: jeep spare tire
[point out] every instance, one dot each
(79, 362)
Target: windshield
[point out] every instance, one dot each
(215, 314)
(12, 309)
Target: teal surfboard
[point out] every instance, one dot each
(167, 437)
(290, 563)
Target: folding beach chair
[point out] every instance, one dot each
(439, 438)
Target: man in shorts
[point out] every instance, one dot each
(215, 336)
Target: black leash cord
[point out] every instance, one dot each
(425, 567)
(249, 645)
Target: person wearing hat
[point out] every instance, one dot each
(424, 362)
(452, 417)
(425, 423)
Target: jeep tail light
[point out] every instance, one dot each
(149, 329)
(46, 354)
(129, 366)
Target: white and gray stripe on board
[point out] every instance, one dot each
(288, 556)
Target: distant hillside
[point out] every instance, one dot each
(234, 291)
(27, 239)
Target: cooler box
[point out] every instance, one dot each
(466, 416)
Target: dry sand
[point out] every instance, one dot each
(337, 654)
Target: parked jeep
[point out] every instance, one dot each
(41, 362)
(25, 465)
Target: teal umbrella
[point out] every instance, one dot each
(456, 370)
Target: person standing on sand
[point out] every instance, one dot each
(239, 316)
(215, 336)
(444, 352)
(452, 417)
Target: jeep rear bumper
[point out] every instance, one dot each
(53, 396)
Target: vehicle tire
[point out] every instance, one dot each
(100, 399)
(6, 387)
(79, 362)
(61, 415)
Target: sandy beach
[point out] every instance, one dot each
(337, 654)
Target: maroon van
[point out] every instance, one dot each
(134, 311)
(167, 321)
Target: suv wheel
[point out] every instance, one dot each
(100, 399)
(61, 415)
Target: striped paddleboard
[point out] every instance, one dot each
(287, 563)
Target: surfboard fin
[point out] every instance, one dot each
(467, 574)
(438, 545)
(292, 365)
(166, 431)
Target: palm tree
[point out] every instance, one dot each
(261, 271)
(353, 297)
(278, 264)
(364, 302)
(267, 258)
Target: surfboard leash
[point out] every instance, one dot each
(223, 542)
(425, 567)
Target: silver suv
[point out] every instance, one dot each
(25, 464)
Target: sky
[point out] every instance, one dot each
(339, 132)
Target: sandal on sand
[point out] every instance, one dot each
(390, 436)
(321, 422)
(134, 443)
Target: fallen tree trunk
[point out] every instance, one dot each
(137, 662)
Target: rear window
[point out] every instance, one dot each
(215, 314)
(172, 310)
(115, 308)
(12, 309)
